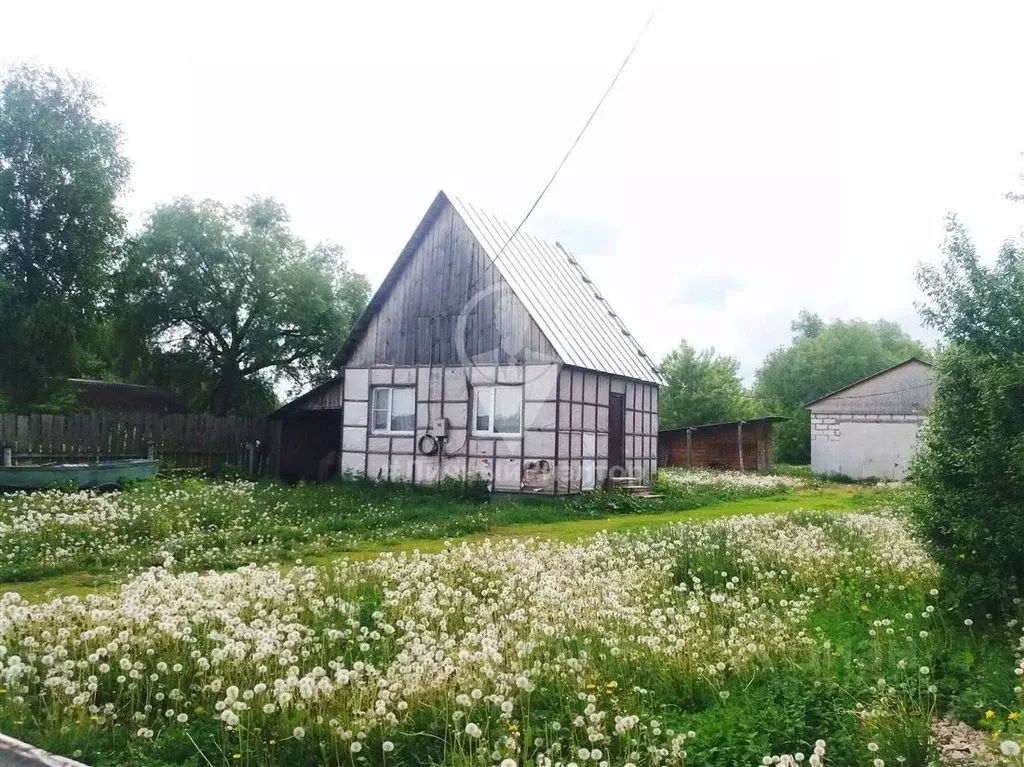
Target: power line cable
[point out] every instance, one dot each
(565, 158)
(840, 395)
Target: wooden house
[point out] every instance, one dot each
(725, 445)
(486, 355)
(870, 428)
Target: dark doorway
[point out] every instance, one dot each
(310, 440)
(617, 435)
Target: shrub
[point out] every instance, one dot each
(972, 467)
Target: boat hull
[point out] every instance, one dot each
(109, 474)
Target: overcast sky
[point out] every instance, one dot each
(754, 158)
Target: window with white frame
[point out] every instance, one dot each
(498, 410)
(394, 410)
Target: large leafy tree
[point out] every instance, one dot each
(700, 387)
(972, 465)
(823, 357)
(230, 303)
(61, 171)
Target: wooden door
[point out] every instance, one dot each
(617, 435)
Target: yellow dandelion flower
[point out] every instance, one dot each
(238, 756)
(990, 714)
(1012, 716)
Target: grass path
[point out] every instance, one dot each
(827, 498)
(831, 498)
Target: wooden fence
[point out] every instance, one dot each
(182, 440)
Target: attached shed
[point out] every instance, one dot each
(490, 353)
(724, 445)
(870, 428)
(309, 437)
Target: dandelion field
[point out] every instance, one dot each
(715, 643)
(228, 524)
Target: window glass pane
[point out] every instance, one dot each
(379, 421)
(507, 409)
(403, 409)
(482, 409)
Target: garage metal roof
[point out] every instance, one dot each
(564, 302)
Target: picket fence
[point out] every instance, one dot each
(185, 441)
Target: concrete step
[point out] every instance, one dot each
(631, 486)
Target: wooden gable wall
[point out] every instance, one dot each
(418, 323)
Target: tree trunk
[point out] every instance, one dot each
(224, 395)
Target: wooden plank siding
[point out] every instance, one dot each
(184, 440)
(717, 447)
(419, 321)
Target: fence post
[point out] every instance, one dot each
(252, 457)
(7, 457)
(150, 451)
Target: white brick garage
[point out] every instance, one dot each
(870, 428)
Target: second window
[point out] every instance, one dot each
(498, 410)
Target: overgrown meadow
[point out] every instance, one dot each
(800, 637)
(227, 524)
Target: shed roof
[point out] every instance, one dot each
(296, 403)
(868, 378)
(719, 424)
(569, 309)
(116, 395)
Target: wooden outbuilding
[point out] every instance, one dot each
(718, 445)
(309, 438)
(124, 397)
(486, 352)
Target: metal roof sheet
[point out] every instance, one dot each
(566, 305)
(720, 424)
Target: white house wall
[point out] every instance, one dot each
(563, 447)
(446, 391)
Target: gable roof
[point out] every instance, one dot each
(570, 311)
(868, 378)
